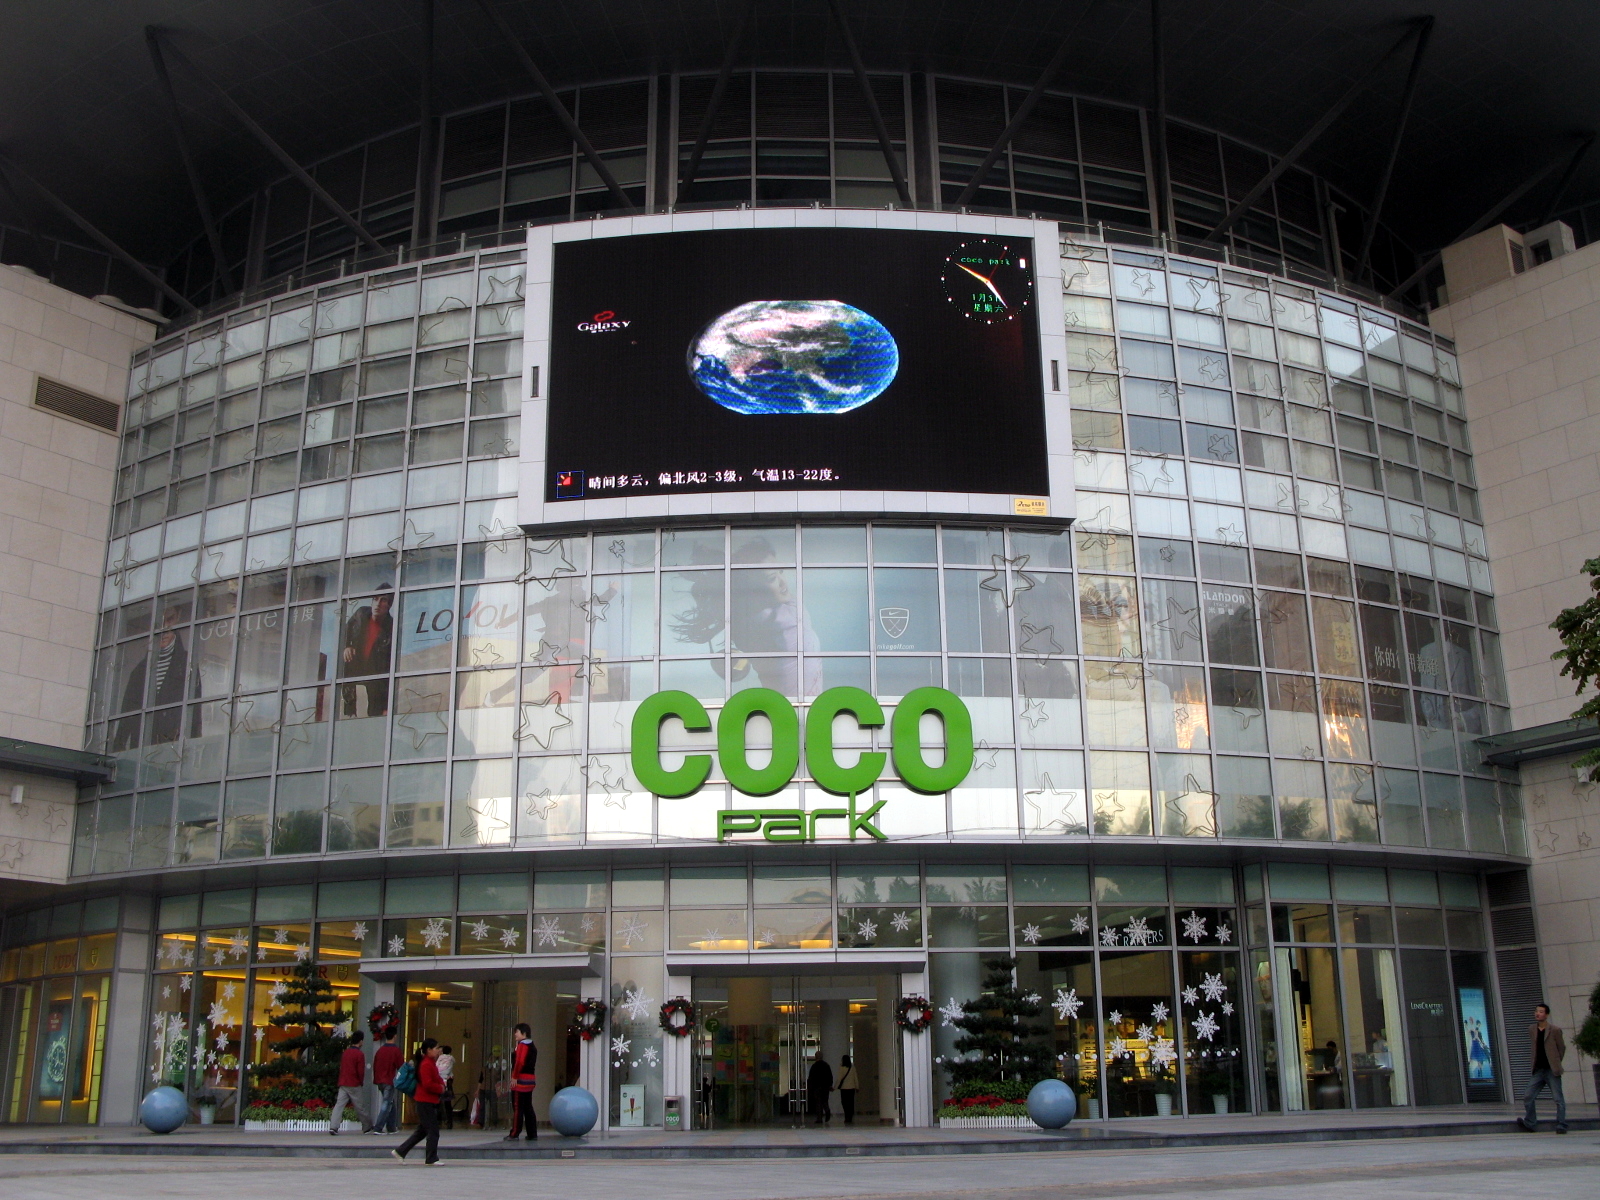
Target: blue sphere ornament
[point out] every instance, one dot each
(164, 1109)
(794, 357)
(573, 1111)
(1052, 1104)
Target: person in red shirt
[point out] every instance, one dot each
(384, 1065)
(524, 1059)
(352, 1083)
(430, 1090)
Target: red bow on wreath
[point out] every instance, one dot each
(913, 1013)
(677, 1017)
(591, 1019)
(384, 1020)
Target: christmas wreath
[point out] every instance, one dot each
(384, 1020)
(591, 1019)
(677, 1016)
(913, 1013)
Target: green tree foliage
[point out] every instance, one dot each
(1588, 1038)
(306, 1064)
(998, 1041)
(1579, 656)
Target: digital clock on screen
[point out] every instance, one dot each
(988, 280)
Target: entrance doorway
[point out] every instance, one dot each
(759, 1037)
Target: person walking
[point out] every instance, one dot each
(385, 1063)
(430, 1090)
(849, 1084)
(1549, 1048)
(447, 1072)
(352, 1080)
(524, 1061)
(819, 1082)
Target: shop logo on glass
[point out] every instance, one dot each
(894, 621)
(603, 322)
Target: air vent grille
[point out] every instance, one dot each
(80, 406)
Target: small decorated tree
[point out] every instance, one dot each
(1579, 628)
(300, 1081)
(1588, 1037)
(1003, 1052)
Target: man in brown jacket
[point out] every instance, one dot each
(1549, 1048)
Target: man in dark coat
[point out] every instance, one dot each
(819, 1083)
(368, 644)
(164, 673)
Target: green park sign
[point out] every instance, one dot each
(794, 824)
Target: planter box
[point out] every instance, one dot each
(348, 1126)
(986, 1123)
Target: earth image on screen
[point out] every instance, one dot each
(794, 356)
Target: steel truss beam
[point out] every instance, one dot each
(1165, 221)
(873, 110)
(692, 168)
(1370, 233)
(1310, 136)
(560, 109)
(277, 151)
(175, 117)
(427, 150)
(9, 167)
(1566, 179)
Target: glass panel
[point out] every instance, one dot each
(1214, 1067)
(1431, 1020)
(1372, 1014)
(1139, 1042)
(1310, 1035)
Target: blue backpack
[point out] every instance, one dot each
(405, 1079)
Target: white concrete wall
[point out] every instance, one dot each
(56, 480)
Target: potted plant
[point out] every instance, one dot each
(1587, 1039)
(1088, 1096)
(1214, 1081)
(1163, 1079)
(207, 1104)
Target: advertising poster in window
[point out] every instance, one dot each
(1476, 1039)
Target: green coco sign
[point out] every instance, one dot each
(794, 824)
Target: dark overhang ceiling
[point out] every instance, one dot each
(1504, 88)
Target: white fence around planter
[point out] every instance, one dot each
(346, 1126)
(987, 1123)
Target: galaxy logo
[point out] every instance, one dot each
(603, 322)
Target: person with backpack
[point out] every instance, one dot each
(420, 1080)
(384, 1065)
(524, 1058)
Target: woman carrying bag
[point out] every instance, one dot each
(849, 1084)
(429, 1091)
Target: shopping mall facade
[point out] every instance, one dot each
(441, 640)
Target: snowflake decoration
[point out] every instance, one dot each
(479, 930)
(261, 1032)
(185, 982)
(158, 1022)
(1224, 933)
(1190, 996)
(276, 991)
(166, 991)
(1194, 927)
(1145, 1033)
(636, 1004)
(217, 956)
(1031, 934)
(589, 923)
(1114, 1017)
(1116, 1046)
(218, 1014)
(397, 945)
(1067, 1004)
(1227, 1008)
(901, 922)
(280, 935)
(1205, 1026)
(630, 931)
(1162, 1052)
(951, 1011)
(1214, 988)
(619, 1049)
(867, 930)
(547, 932)
(221, 1041)
(650, 1056)
(509, 937)
(434, 933)
(238, 945)
(1080, 923)
(1158, 1013)
(358, 931)
(1139, 933)
(229, 990)
(343, 1028)
(1108, 936)
(302, 952)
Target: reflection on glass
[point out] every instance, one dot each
(1372, 1013)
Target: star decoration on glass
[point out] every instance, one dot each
(597, 607)
(1046, 795)
(1132, 674)
(631, 931)
(1150, 474)
(1066, 1004)
(539, 804)
(1109, 936)
(540, 721)
(510, 936)
(1108, 805)
(1008, 577)
(1214, 369)
(1221, 445)
(1033, 712)
(1224, 932)
(866, 931)
(1191, 996)
(1194, 927)
(487, 655)
(1213, 988)
(545, 654)
(602, 777)
(1205, 1026)
(545, 562)
(1080, 923)
(1143, 283)
(1139, 933)
(1104, 361)
(434, 932)
(496, 447)
(397, 945)
(423, 717)
(984, 756)
(951, 1011)
(1181, 624)
(1230, 535)
(295, 728)
(1038, 639)
(481, 823)
(547, 932)
(209, 565)
(358, 931)
(411, 537)
(900, 922)
(1031, 934)
(1204, 296)
(502, 289)
(635, 1004)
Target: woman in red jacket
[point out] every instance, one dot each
(430, 1090)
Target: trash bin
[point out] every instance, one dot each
(674, 1114)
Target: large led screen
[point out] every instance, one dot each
(794, 359)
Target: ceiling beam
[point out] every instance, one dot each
(882, 130)
(1375, 213)
(692, 168)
